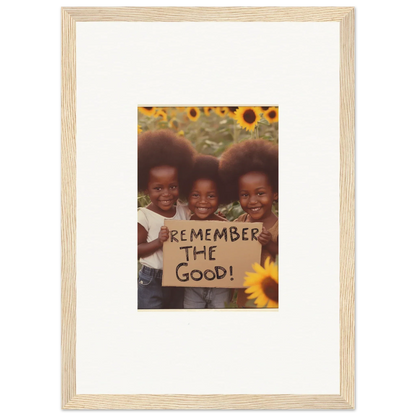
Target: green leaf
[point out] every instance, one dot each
(264, 122)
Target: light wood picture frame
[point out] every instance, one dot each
(346, 398)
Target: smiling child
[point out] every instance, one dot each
(164, 162)
(250, 169)
(205, 192)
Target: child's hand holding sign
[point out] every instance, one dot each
(163, 234)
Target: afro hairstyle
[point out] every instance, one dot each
(206, 167)
(163, 148)
(254, 155)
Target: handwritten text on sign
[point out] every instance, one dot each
(209, 253)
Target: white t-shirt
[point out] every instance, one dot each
(151, 222)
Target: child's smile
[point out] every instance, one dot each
(203, 199)
(163, 189)
(256, 195)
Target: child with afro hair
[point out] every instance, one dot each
(164, 163)
(205, 193)
(204, 189)
(250, 170)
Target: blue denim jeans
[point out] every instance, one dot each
(152, 295)
(201, 298)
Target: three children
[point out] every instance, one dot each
(169, 167)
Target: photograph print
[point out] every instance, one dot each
(207, 207)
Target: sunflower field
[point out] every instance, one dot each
(211, 130)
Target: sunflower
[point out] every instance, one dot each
(174, 123)
(248, 117)
(263, 286)
(272, 115)
(181, 133)
(193, 113)
(221, 111)
(139, 129)
(147, 111)
(161, 113)
(207, 110)
(263, 109)
(231, 111)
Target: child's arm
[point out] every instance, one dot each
(265, 239)
(144, 248)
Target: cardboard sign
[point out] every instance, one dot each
(209, 253)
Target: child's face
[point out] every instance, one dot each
(256, 195)
(203, 198)
(162, 187)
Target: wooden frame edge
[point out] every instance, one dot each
(347, 208)
(346, 400)
(206, 402)
(68, 209)
(199, 14)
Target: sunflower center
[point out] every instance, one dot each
(272, 114)
(269, 287)
(249, 116)
(232, 109)
(265, 108)
(193, 112)
(148, 108)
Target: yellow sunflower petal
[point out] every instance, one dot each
(272, 304)
(259, 269)
(270, 267)
(261, 301)
(231, 112)
(221, 111)
(274, 273)
(254, 289)
(148, 111)
(254, 295)
(254, 279)
(251, 274)
(267, 264)
(263, 109)
(161, 113)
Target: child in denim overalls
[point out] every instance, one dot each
(164, 161)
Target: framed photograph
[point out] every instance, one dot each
(260, 247)
(208, 207)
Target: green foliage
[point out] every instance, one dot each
(231, 211)
(142, 200)
(232, 304)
